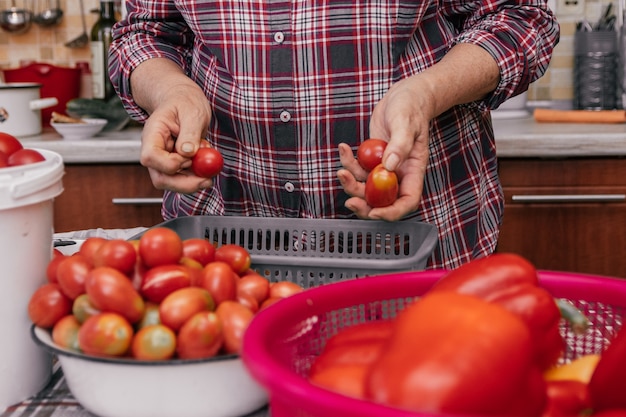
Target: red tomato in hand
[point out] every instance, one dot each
(219, 279)
(236, 256)
(116, 253)
(72, 273)
(179, 306)
(207, 162)
(25, 157)
(154, 343)
(160, 281)
(111, 291)
(160, 246)
(235, 319)
(105, 334)
(381, 187)
(47, 305)
(200, 337)
(200, 250)
(9, 144)
(370, 153)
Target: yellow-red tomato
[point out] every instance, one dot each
(83, 308)
(155, 342)
(381, 187)
(200, 250)
(65, 333)
(180, 305)
(234, 255)
(105, 334)
(200, 337)
(150, 316)
(235, 318)
(284, 289)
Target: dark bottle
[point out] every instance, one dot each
(100, 41)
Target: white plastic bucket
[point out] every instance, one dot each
(27, 194)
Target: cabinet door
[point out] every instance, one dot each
(567, 215)
(115, 196)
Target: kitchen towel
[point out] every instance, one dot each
(579, 116)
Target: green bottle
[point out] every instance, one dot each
(101, 37)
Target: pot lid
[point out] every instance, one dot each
(7, 86)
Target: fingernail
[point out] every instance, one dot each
(187, 147)
(392, 162)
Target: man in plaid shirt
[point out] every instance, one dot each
(287, 90)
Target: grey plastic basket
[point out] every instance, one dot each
(311, 252)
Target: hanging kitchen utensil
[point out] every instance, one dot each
(50, 15)
(16, 20)
(82, 39)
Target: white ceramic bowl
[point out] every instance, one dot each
(108, 387)
(77, 131)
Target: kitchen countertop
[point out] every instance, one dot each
(515, 137)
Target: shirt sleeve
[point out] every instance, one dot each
(152, 29)
(520, 35)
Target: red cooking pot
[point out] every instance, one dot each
(60, 82)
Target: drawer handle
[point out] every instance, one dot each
(569, 198)
(138, 201)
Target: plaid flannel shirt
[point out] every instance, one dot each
(289, 80)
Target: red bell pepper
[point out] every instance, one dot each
(607, 385)
(512, 282)
(456, 353)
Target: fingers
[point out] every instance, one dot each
(181, 182)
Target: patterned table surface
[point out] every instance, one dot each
(56, 400)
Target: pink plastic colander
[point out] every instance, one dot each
(282, 342)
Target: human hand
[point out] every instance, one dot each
(179, 116)
(402, 118)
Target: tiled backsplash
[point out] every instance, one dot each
(47, 45)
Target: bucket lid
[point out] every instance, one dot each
(31, 183)
(11, 86)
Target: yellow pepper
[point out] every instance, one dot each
(579, 369)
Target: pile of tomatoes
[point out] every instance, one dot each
(155, 298)
(13, 153)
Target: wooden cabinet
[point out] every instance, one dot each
(566, 214)
(107, 196)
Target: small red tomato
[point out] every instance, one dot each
(207, 162)
(90, 246)
(47, 305)
(370, 153)
(254, 285)
(284, 289)
(25, 157)
(160, 281)
(179, 306)
(51, 268)
(248, 301)
(235, 318)
(200, 250)
(65, 333)
(105, 334)
(381, 187)
(116, 253)
(9, 144)
(72, 273)
(111, 291)
(219, 279)
(200, 337)
(236, 256)
(154, 343)
(160, 246)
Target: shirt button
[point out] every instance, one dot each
(289, 187)
(285, 116)
(279, 37)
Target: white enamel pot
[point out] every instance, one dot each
(20, 108)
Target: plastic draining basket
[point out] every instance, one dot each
(311, 252)
(282, 342)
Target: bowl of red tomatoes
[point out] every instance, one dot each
(153, 326)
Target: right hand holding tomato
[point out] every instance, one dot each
(196, 297)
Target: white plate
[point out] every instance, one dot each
(77, 131)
